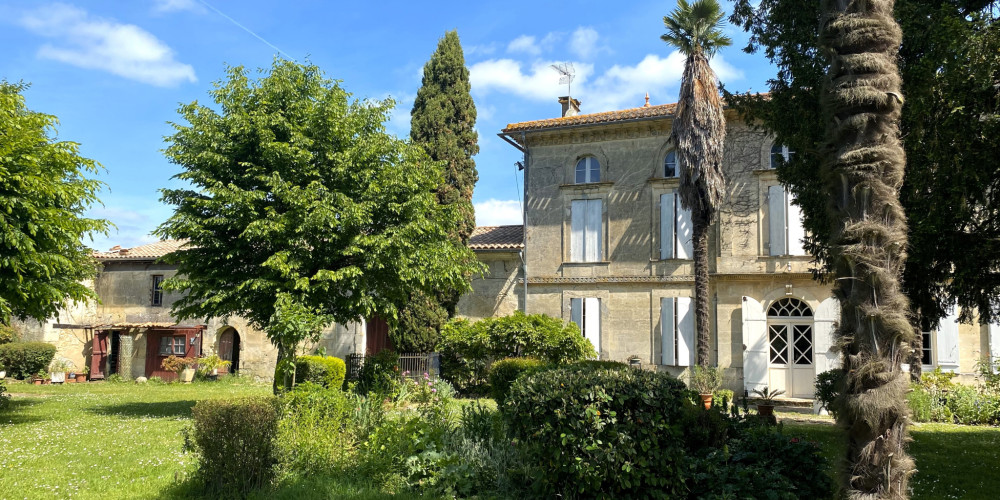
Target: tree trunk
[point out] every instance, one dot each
(701, 223)
(863, 169)
(280, 374)
(916, 349)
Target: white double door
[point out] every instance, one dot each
(790, 351)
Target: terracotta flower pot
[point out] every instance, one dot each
(81, 377)
(765, 410)
(46, 381)
(36, 381)
(70, 378)
(706, 400)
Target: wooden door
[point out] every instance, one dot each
(229, 350)
(98, 355)
(376, 336)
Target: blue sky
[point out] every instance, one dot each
(115, 72)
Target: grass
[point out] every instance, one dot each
(953, 461)
(109, 441)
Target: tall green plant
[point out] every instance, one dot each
(443, 122)
(699, 133)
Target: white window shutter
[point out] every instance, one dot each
(994, 329)
(776, 220)
(576, 312)
(667, 331)
(594, 238)
(667, 221)
(947, 342)
(827, 314)
(685, 332)
(578, 218)
(796, 231)
(592, 322)
(755, 344)
(685, 232)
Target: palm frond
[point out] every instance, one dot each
(696, 27)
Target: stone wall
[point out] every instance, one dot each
(498, 292)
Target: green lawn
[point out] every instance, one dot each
(109, 441)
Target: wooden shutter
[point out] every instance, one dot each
(754, 345)
(947, 342)
(668, 235)
(685, 232)
(594, 236)
(796, 231)
(994, 329)
(685, 332)
(578, 218)
(592, 322)
(667, 332)
(776, 220)
(827, 314)
(576, 312)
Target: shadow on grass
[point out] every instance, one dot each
(15, 412)
(158, 409)
(298, 488)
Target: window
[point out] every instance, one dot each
(676, 331)
(157, 290)
(780, 153)
(172, 345)
(676, 231)
(588, 169)
(586, 313)
(670, 165)
(585, 230)
(785, 220)
(927, 354)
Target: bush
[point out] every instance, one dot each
(503, 373)
(326, 371)
(970, 405)
(8, 334)
(24, 359)
(828, 387)
(379, 374)
(236, 441)
(706, 379)
(4, 396)
(468, 349)
(593, 364)
(594, 433)
(314, 432)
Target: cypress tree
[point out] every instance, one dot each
(443, 121)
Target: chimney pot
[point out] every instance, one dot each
(570, 106)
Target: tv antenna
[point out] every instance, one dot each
(566, 75)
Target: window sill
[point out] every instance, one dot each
(594, 263)
(591, 186)
(664, 181)
(678, 261)
(760, 171)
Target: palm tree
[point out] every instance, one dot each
(698, 132)
(863, 170)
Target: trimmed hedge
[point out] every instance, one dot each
(24, 359)
(503, 373)
(236, 441)
(327, 371)
(602, 433)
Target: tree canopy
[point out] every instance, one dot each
(949, 60)
(443, 122)
(44, 192)
(301, 209)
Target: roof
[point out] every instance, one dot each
(483, 238)
(149, 251)
(658, 111)
(497, 238)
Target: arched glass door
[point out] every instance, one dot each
(790, 339)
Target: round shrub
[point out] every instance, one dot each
(503, 373)
(602, 433)
(235, 439)
(327, 371)
(24, 359)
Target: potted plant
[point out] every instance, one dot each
(57, 371)
(209, 365)
(38, 378)
(765, 401)
(81, 376)
(706, 380)
(183, 367)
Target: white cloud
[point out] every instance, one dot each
(583, 42)
(540, 83)
(90, 42)
(526, 44)
(495, 212)
(177, 5)
(482, 50)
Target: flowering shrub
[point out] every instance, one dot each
(174, 364)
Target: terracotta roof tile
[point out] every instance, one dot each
(660, 110)
(148, 251)
(497, 238)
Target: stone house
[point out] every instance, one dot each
(608, 246)
(130, 330)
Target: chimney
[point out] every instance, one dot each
(570, 106)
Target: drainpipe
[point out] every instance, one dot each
(524, 220)
(715, 311)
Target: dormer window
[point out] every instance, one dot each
(588, 170)
(670, 169)
(780, 152)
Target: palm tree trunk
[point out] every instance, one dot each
(701, 225)
(864, 171)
